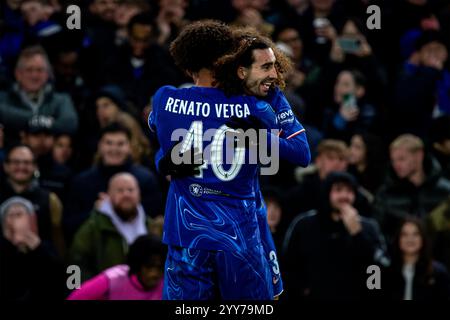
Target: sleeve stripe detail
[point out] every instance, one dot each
(295, 134)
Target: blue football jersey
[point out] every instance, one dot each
(215, 210)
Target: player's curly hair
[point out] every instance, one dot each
(200, 44)
(245, 41)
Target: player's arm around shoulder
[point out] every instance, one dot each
(157, 102)
(293, 143)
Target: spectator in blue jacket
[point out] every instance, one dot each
(423, 87)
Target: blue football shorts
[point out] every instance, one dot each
(196, 274)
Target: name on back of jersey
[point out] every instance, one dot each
(199, 108)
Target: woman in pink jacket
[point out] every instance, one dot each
(140, 279)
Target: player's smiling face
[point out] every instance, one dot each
(262, 73)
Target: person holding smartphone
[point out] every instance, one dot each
(351, 50)
(350, 112)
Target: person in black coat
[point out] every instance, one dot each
(141, 66)
(350, 112)
(327, 252)
(414, 185)
(20, 167)
(29, 268)
(368, 160)
(41, 137)
(413, 274)
(419, 83)
(332, 155)
(440, 143)
(114, 156)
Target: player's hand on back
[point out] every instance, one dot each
(251, 122)
(189, 165)
(244, 124)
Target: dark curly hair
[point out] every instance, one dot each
(200, 44)
(245, 41)
(142, 252)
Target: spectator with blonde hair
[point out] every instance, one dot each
(414, 185)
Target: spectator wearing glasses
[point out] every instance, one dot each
(32, 95)
(20, 167)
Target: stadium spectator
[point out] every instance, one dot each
(140, 66)
(250, 14)
(33, 95)
(318, 28)
(422, 87)
(68, 75)
(288, 36)
(327, 251)
(20, 167)
(98, 38)
(440, 143)
(289, 12)
(11, 38)
(273, 199)
(141, 150)
(171, 20)
(111, 106)
(414, 275)
(354, 52)
(438, 228)
(62, 149)
(41, 24)
(332, 155)
(141, 278)
(367, 161)
(40, 137)
(114, 156)
(115, 222)
(414, 185)
(2, 147)
(127, 9)
(350, 50)
(351, 113)
(102, 110)
(29, 268)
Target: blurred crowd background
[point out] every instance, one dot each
(78, 183)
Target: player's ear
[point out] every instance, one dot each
(242, 73)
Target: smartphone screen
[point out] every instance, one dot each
(350, 45)
(350, 101)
